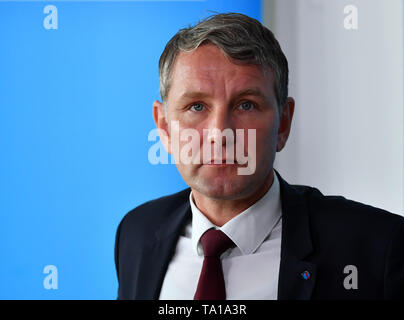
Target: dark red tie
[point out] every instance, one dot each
(211, 281)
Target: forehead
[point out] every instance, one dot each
(208, 69)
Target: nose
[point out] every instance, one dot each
(219, 121)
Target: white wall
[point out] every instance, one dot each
(347, 135)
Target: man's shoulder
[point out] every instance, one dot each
(155, 211)
(165, 202)
(342, 212)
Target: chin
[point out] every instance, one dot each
(222, 188)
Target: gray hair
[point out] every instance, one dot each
(240, 37)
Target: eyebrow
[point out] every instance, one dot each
(245, 92)
(251, 92)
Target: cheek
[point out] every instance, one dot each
(190, 119)
(186, 143)
(265, 143)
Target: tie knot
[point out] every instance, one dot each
(215, 242)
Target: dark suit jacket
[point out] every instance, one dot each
(320, 234)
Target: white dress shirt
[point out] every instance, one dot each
(250, 269)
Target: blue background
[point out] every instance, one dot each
(75, 113)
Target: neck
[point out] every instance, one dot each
(220, 211)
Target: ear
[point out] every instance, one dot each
(285, 123)
(162, 124)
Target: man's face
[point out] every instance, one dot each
(209, 91)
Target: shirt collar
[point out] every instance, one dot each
(249, 228)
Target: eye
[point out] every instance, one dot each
(246, 106)
(197, 107)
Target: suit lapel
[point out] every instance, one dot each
(156, 257)
(294, 281)
(296, 245)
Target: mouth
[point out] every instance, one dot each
(220, 162)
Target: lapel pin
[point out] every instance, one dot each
(305, 275)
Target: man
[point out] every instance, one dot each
(249, 235)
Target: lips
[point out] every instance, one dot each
(219, 162)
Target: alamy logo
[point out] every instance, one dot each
(51, 280)
(351, 280)
(51, 20)
(351, 18)
(189, 147)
